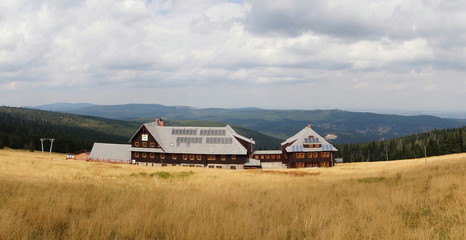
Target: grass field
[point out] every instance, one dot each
(44, 196)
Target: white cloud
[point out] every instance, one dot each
(386, 48)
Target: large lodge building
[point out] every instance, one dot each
(155, 144)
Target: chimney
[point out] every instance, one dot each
(309, 126)
(159, 122)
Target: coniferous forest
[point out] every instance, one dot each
(431, 143)
(22, 128)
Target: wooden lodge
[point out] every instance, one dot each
(155, 144)
(304, 149)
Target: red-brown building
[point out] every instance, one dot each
(214, 147)
(304, 149)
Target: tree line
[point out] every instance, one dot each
(431, 143)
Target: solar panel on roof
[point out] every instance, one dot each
(219, 140)
(188, 140)
(311, 140)
(297, 148)
(327, 147)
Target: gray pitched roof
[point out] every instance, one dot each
(198, 140)
(107, 151)
(232, 131)
(308, 136)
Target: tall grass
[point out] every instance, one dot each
(41, 198)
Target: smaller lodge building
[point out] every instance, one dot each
(304, 149)
(155, 144)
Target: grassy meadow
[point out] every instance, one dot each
(44, 196)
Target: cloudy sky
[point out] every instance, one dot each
(281, 54)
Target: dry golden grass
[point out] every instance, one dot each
(44, 196)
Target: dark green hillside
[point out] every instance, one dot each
(431, 143)
(350, 127)
(22, 128)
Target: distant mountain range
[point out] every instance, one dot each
(63, 107)
(347, 127)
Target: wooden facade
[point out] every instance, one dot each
(299, 160)
(310, 159)
(146, 149)
(305, 149)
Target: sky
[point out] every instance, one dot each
(281, 54)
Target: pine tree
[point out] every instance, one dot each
(31, 146)
(460, 140)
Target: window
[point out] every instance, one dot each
(191, 157)
(152, 144)
(299, 155)
(145, 137)
(162, 156)
(136, 144)
(144, 144)
(199, 157)
(223, 157)
(144, 155)
(185, 157)
(262, 156)
(136, 154)
(272, 156)
(267, 156)
(278, 156)
(173, 156)
(233, 157)
(152, 155)
(325, 154)
(211, 157)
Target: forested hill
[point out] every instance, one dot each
(22, 128)
(431, 143)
